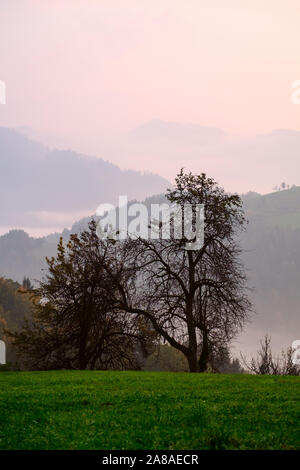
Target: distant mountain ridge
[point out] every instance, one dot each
(176, 133)
(35, 181)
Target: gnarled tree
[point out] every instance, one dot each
(195, 300)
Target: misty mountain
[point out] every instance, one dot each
(257, 162)
(175, 133)
(37, 184)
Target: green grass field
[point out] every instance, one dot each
(142, 410)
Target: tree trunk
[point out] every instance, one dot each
(192, 360)
(203, 360)
(82, 351)
(82, 361)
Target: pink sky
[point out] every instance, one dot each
(81, 73)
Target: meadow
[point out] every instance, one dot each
(148, 410)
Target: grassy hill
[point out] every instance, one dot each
(142, 410)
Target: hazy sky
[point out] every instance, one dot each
(81, 73)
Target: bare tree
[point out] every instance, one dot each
(195, 300)
(266, 363)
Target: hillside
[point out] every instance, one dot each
(272, 257)
(279, 209)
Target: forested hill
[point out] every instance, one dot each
(272, 257)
